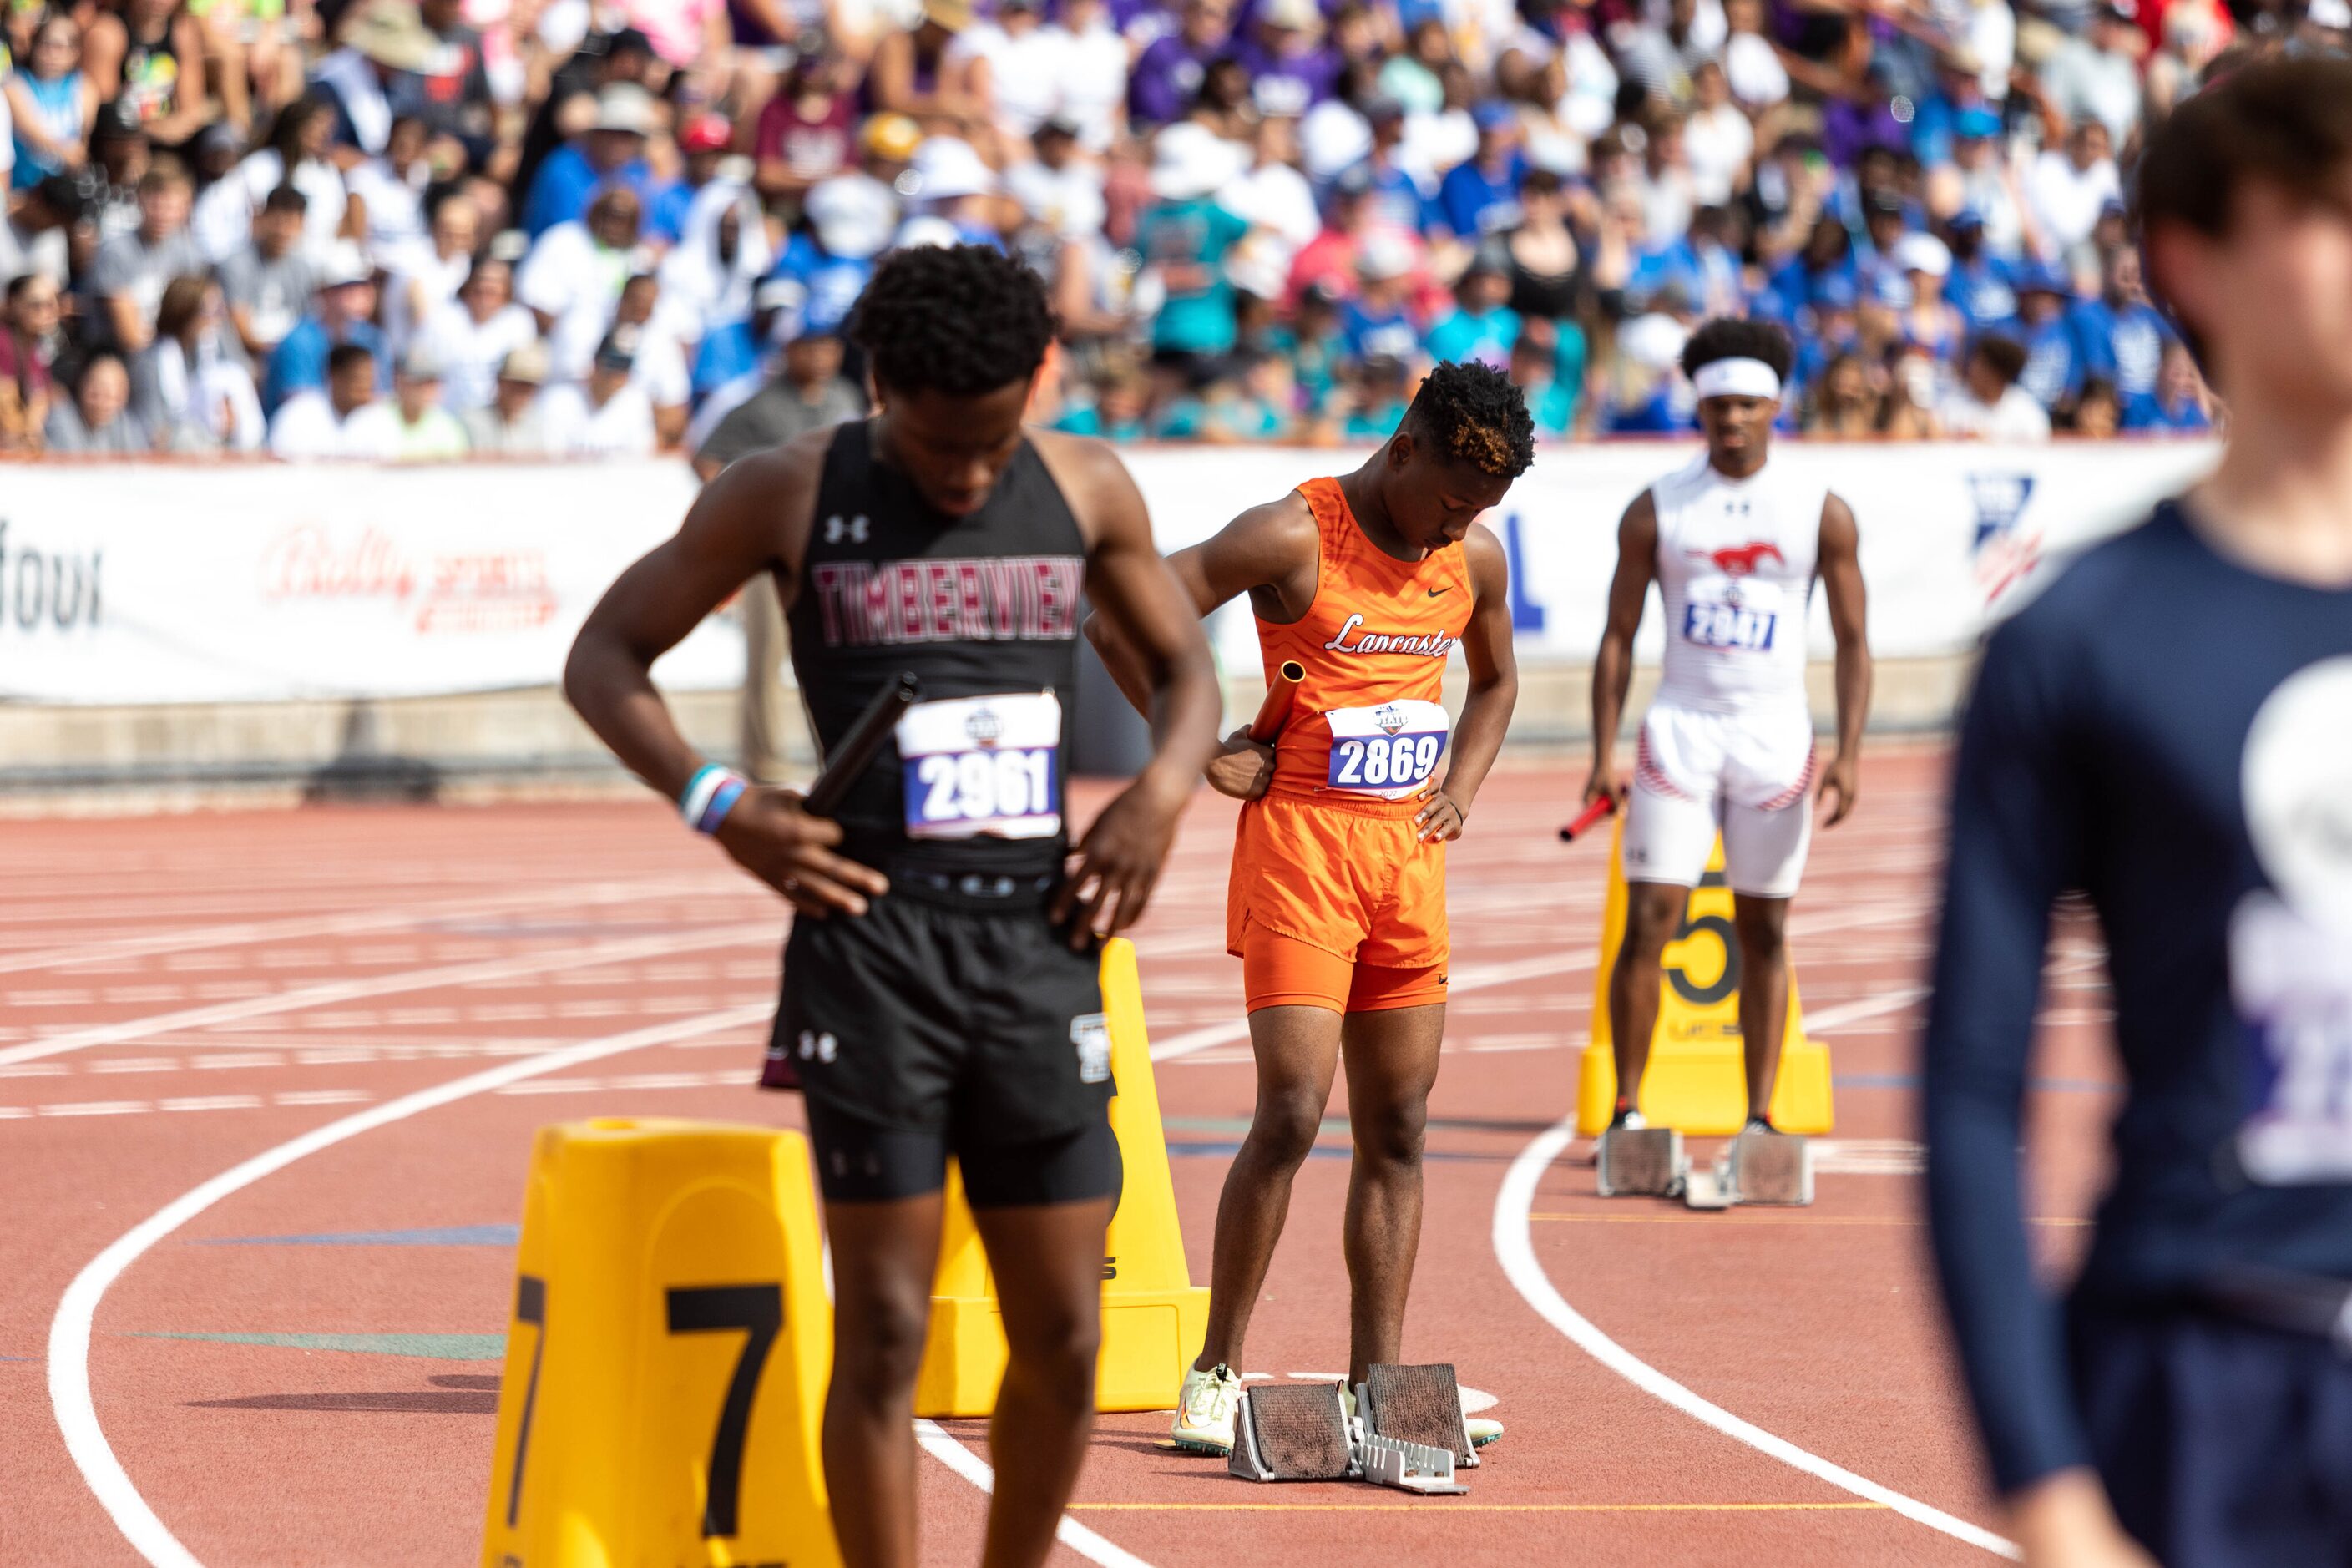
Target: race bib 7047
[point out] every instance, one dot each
(1389, 750)
(1728, 626)
(977, 766)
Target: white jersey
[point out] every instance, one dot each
(1736, 562)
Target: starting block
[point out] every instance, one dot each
(1696, 1080)
(1153, 1316)
(1770, 1168)
(1408, 1432)
(1754, 1168)
(1641, 1163)
(666, 1360)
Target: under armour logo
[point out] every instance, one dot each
(820, 1046)
(853, 529)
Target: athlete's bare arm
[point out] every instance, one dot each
(1139, 602)
(1612, 666)
(1840, 556)
(753, 518)
(1269, 552)
(1493, 689)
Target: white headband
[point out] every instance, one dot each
(1735, 378)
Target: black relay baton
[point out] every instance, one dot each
(844, 768)
(856, 753)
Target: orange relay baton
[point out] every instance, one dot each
(1275, 712)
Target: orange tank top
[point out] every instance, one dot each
(1368, 723)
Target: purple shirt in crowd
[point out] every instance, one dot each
(1167, 75)
(1290, 84)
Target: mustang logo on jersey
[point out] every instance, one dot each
(1741, 560)
(1002, 598)
(1437, 644)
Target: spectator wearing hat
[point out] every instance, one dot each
(851, 221)
(1482, 325)
(1291, 66)
(50, 102)
(1550, 387)
(97, 420)
(2054, 366)
(913, 72)
(2176, 406)
(1168, 73)
(807, 133)
(606, 415)
(510, 425)
(1989, 404)
(133, 268)
(569, 107)
(1480, 195)
(341, 313)
(267, 282)
(953, 184)
(420, 429)
(384, 41)
(472, 335)
(1185, 237)
(1980, 283)
(1930, 319)
(188, 386)
(611, 154)
(1988, 184)
(2122, 336)
(30, 337)
(703, 144)
(333, 420)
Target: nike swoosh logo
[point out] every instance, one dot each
(1434, 592)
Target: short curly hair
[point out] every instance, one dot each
(1733, 337)
(962, 319)
(1473, 414)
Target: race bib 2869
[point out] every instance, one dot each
(1389, 750)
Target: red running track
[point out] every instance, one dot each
(179, 995)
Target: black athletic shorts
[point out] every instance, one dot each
(944, 1023)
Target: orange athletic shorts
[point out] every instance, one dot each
(1346, 879)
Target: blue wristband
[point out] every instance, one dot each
(695, 799)
(731, 790)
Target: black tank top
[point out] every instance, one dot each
(980, 606)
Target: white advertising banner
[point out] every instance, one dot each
(166, 583)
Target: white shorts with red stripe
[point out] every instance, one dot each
(1747, 776)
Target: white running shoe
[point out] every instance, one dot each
(1204, 1412)
(1481, 1430)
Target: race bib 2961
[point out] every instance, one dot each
(977, 766)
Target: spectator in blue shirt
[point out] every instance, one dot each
(1979, 284)
(1480, 195)
(1483, 326)
(1314, 345)
(2177, 403)
(1399, 199)
(1117, 412)
(1828, 254)
(2054, 359)
(1378, 324)
(339, 314)
(2122, 336)
(1378, 405)
(612, 152)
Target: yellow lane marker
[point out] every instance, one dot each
(1762, 1219)
(1483, 1507)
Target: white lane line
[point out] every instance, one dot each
(453, 974)
(249, 931)
(940, 1446)
(1515, 1248)
(68, 1354)
(1853, 1012)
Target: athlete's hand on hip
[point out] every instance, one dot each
(770, 836)
(1440, 820)
(1110, 875)
(1602, 783)
(2065, 1522)
(1841, 786)
(1244, 769)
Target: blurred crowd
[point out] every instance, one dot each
(424, 228)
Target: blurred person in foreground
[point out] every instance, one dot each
(96, 421)
(2162, 729)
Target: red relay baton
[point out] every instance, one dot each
(1587, 817)
(1275, 712)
